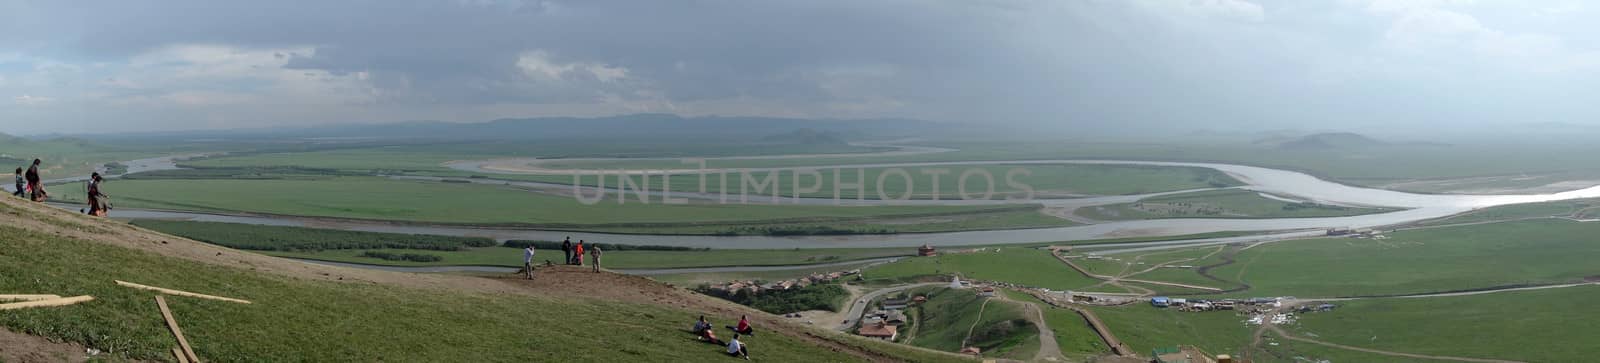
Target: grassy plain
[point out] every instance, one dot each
(1218, 204)
(1553, 325)
(1048, 181)
(1144, 328)
(1419, 261)
(415, 201)
(1576, 208)
(1024, 266)
(431, 157)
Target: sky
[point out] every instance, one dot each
(1060, 65)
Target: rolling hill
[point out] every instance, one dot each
(312, 312)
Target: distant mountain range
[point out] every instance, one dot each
(1332, 141)
(631, 127)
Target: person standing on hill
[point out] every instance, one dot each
(578, 254)
(594, 251)
(20, 183)
(566, 249)
(96, 199)
(527, 261)
(34, 185)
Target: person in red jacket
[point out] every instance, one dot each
(577, 252)
(743, 327)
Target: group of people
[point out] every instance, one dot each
(572, 252)
(704, 331)
(30, 186)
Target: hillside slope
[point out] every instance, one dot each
(323, 313)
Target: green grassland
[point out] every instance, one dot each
(294, 318)
(1553, 325)
(1047, 181)
(692, 279)
(1419, 261)
(1576, 208)
(61, 158)
(512, 257)
(1019, 217)
(1219, 204)
(411, 201)
(1144, 328)
(999, 329)
(348, 246)
(431, 157)
(1292, 351)
(1025, 266)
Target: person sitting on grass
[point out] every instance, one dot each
(737, 348)
(707, 334)
(700, 326)
(743, 327)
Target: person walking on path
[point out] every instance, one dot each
(35, 186)
(594, 251)
(578, 254)
(527, 261)
(566, 250)
(20, 184)
(97, 200)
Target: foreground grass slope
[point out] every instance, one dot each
(305, 312)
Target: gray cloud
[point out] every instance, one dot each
(1077, 66)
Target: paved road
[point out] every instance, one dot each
(858, 307)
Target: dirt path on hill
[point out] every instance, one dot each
(1049, 348)
(23, 348)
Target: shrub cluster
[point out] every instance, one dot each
(799, 230)
(556, 245)
(413, 257)
(814, 297)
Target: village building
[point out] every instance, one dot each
(987, 292)
(879, 330)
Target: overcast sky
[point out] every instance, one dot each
(104, 66)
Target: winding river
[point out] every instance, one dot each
(1299, 185)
